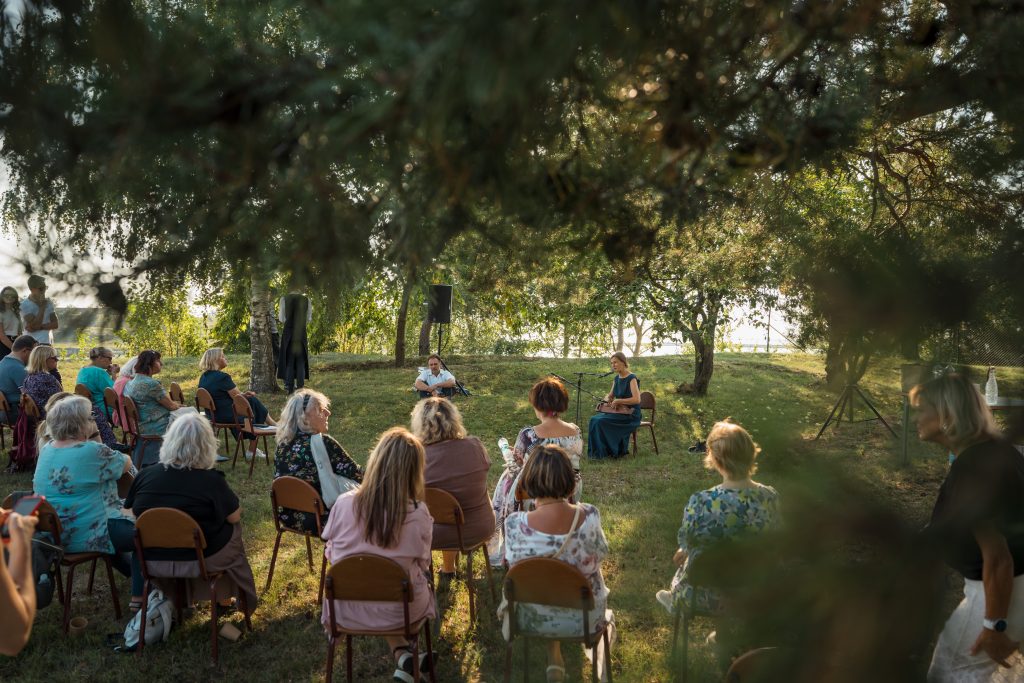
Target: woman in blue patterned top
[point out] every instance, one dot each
(739, 506)
(154, 405)
(608, 434)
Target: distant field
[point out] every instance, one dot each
(780, 398)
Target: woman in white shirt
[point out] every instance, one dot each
(10, 319)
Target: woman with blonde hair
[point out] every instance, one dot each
(458, 464)
(386, 517)
(186, 479)
(39, 385)
(978, 521)
(223, 391)
(302, 440)
(739, 506)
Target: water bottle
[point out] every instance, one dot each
(991, 387)
(506, 452)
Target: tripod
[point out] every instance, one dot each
(458, 385)
(578, 386)
(845, 404)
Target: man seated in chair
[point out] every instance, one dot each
(434, 381)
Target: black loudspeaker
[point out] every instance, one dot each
(441, 303)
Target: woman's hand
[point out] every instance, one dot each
(680, 557)
(997, 645)
(250, 394)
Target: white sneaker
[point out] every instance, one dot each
(259, 454)
(666, 600)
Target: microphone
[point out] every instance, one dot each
(610, 372)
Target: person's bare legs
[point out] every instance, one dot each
(448, 559)
(555, 659)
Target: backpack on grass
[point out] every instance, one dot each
(159, 619)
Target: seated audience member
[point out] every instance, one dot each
(10, 319)
(561, 530)
(153, 403)
(223, 390)
(39, 384)
(37, 311)
(17, 584)
(305, 416)
(103, 434)
(386, 516)
(185, 479)
(98, 374)
(737, 507)
(434, 381)
(978, 524)
(125, 375)
(549, 399)
(12, 372)
(79, 478)
(458, 464)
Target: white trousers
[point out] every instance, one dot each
(952, 661)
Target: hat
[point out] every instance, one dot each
(36, 282)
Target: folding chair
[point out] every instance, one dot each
(49, 521)
(647, 402)
(131, 418)
(204, 403)
(176, 394)
(246, 421)
(29, 407)
(372, 578)
(171, 528)
(113, 405)
(445, 509)
(551, 582)
(83, 391)
(295, 494)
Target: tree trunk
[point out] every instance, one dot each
(263, 366)
(565, 341)
(638, 332)
(704, 361)
(846, 359)
(403, 316)
(620, 333)
(425, 329)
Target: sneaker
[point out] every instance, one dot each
(699, 447)
(666, 599)
(259, 454)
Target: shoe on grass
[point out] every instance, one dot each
(699, 447)
(666, 600)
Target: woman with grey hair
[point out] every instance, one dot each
(302, 428)
(978, 523)
(185, 479)
(79, 477)
(99, 374)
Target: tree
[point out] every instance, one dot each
(163, 323)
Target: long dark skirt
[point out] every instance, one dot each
(608, 434)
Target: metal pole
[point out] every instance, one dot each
(768, 343)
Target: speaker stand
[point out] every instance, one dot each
(845, 404)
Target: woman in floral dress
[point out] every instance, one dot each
(549, 399)
(559, 529)
(306, 413)
(737, 507)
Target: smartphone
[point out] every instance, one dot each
(26, 506)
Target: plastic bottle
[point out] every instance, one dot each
(506, 452)
(991, 387)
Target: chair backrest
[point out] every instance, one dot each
(366, 577)
(83, 391)
(124, 484)
(755, 666)
(547, 581)
(29, 407)
(295, 494)
(111, 400)
(131, 415)
(176, 394)
(243, 413)
(443, 507)
(168, 528)
(5, 408)
(647, 402)
(49, 520)
(204, 401)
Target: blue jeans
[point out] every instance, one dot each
(122, 536)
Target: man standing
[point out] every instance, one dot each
(37, 312)
(434, 381)
(12, 372)
(295, 313)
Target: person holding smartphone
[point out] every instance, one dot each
(17, 586)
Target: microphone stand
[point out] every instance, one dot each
(578, 386)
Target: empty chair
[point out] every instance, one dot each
(647, 402)
(176, 393)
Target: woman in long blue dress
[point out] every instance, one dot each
(608, 435)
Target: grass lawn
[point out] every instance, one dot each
(779, 398)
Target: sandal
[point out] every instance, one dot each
(555, 673)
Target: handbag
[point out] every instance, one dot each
(159, 619)
(332, 485)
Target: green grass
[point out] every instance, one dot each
(780, 398)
